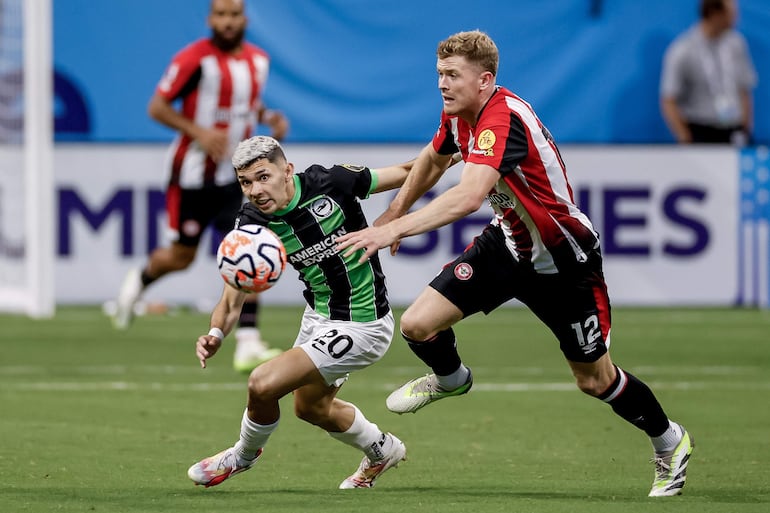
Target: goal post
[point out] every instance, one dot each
(27, 188)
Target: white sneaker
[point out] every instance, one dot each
(419, 392)
(215, 469)
(251, 350)
(671, 468)
(368, 471)
(130, 291)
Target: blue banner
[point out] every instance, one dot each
(364, 70)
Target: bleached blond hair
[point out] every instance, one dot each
(257, 148)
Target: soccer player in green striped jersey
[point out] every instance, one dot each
(347, 324)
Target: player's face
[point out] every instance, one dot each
(268, 186)
(228, 23)
(460, 83)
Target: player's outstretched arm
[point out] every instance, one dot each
(223, 319)
(455, 203)
(426, 170)
(391, 177)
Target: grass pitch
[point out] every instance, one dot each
(97, 420)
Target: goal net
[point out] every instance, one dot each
(27, 197)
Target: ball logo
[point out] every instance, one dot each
(463, 271)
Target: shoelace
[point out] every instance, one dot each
(662, 468)
(425, 386)
(228, 461)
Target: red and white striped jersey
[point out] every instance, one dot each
(532, 200)
(216, 90)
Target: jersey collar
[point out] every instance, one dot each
(294, 200)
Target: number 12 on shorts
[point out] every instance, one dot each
(587, 333)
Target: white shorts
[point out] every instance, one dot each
(338, 348)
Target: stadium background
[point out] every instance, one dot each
(364, 71)
(101, 420)
(357, 79)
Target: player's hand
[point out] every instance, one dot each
(206, 347)
(214, 142)
(369, 239)
(385, 218)
(278, 123)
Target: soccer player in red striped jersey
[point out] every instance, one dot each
(540, 249)
(218, 83)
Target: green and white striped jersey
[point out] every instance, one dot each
(326, 205)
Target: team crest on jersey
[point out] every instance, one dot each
(463, 271)
(485, 141)
(353, 167)
(322, 208)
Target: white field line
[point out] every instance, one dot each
(194, 368)
(33, 378)
(131, 386)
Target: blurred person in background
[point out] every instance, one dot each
(707, 80)
(219, 83)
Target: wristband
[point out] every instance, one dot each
(216, 332)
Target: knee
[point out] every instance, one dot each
(415, 327)
(260, 388)
(589, 385)
(594, 378)
(593, 384)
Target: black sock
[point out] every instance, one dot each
(635, 402)
(249, 317)
(439, 353)
(146, 278)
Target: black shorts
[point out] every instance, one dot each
(190, 211)
(574, 304)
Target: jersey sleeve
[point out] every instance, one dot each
(747, 73)
(672, 77)
(501, 142)
(261, 61)
(358, 179)
(248, 214)
(183, 67)
(443, 140)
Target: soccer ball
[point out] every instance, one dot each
(251, 258)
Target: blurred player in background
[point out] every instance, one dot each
(707, 80)
(540, 249)
(347, 324)
(219, 82)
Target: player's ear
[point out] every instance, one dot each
(486, 80)
(289, 171)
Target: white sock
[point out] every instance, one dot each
(248, 343)
(455, 380)
(365, 436)
(669, 439)
(253, 437)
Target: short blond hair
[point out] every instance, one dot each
(475, 46)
